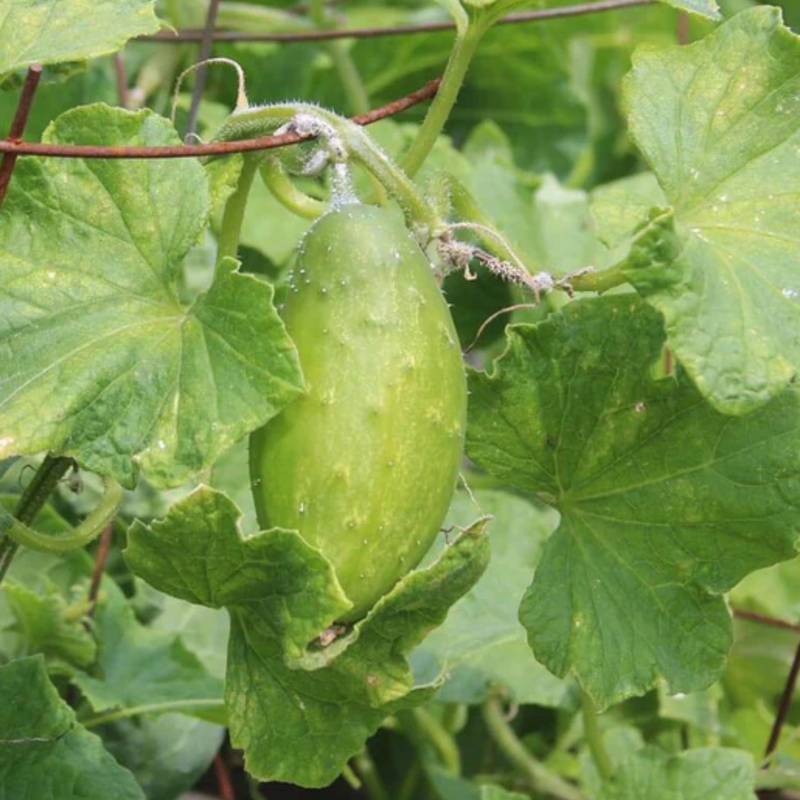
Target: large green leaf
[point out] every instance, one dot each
(44, 753)
(298, 708)
(665, 502)
(99, 358)
(703, 774)
(719, 122)
(138, 668)
(52, 31)
(481, 645)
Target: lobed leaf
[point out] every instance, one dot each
(43, 749)
(99, 358)
(719, 122)
(55, 31)
(665, 502)
(700, 774)
(138, 667)
(299, 709)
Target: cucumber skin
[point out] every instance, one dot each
(365, 464)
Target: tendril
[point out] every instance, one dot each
(88, 530)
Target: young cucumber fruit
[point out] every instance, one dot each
(365, 464)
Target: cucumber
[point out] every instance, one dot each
(364, 465)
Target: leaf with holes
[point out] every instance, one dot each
(282, 594)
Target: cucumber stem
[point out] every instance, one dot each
(539, 778)
(594, 738)
(258, 121)
(368, 772)
(421, 726)
(233, 216)
(286, 193)
(439, 111)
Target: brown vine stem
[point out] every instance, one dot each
(753, 616)
(215, 149)
(99, 565)
(122, 80)
(683, 33)
(394, 30)
(18, 127)
(202, 70)
(224, 782)
(783, 708)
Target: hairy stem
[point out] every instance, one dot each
(286, 193)
(36, 493)
(233, 217)
(538, 777)
(439, 111)
(358, 145)
(594, 738)
(466, 209)
(600, 281)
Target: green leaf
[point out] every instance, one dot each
(281, 595)
(702, 774)
(43, 748)
(140, 668)
(665, 503)
(619, 743)
(203, 631)
(100, 359)
(451, 787)
(167, 755)
(774, 591)
(481, 644)
(54, 31)
(719, 123)
(39, 573)
(49, 626)
(197, 554)
(705, 8)
(621, 207)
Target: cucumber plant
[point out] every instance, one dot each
(354, 526)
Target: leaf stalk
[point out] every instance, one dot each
(538, 777)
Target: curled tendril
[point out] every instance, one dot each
(241, 96)
(100, 516)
